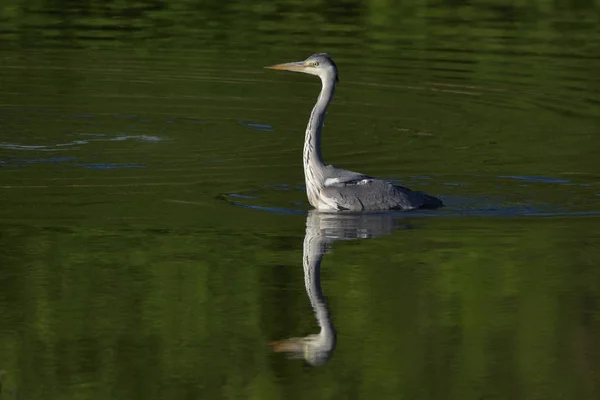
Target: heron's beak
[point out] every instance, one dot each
(287, 345)
(293, 66)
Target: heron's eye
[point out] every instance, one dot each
(315, 64)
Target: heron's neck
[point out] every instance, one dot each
(313, 161)
(314, 249)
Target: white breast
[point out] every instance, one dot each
(325, 204)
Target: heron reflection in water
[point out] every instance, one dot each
(333, 189)
(323, 229)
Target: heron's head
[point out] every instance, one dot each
(308, 348)
(319, 64)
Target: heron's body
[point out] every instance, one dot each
(333, 189)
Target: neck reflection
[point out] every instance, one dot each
(322, 229)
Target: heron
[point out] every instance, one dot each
(323, 229)
(316, 348)
(334, 189)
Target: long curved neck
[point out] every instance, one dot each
(312, 159)
(314, 248)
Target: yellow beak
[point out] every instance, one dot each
(293, 66)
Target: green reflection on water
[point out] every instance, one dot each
(509, 308)
(124, 276)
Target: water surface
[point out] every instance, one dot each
(155, 236)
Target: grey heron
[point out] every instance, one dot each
(333, 189)
(322, 230)
(317, 348)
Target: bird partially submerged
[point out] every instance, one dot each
(333, 189)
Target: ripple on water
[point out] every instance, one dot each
(257, 126)
(535, 178)
(72, 161)
(97, 138)
(499, 198)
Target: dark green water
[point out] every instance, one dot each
(154, 226)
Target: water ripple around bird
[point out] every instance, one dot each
(500, 196)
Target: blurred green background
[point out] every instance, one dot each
(132, 131)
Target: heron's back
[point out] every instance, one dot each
(376, 195)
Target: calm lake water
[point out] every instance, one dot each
(155, 239)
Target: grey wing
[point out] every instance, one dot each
(371, 194)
